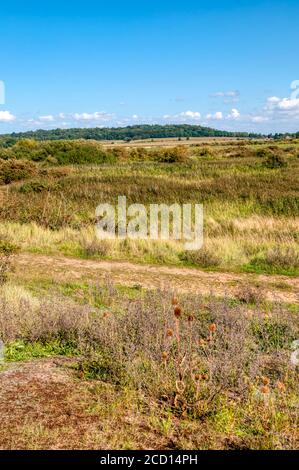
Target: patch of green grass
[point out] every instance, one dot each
(264, 268)
(272, 334)
(83, 292)
(24, 351)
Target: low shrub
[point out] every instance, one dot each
(15, 170)
(95, 247)
(204, 258)
(274, 161)
(177, 154)
(38, 186)
(7, 252)
(249, 295)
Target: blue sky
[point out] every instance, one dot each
(225, 64)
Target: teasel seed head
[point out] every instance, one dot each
(177, 311)
(265, 380)
(165, 355)
(265, 390)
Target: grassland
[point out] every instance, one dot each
(250, 207)
(130, 364)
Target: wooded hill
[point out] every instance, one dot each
(136, 132)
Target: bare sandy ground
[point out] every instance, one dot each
(60, 268)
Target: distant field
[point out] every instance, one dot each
(170, 142)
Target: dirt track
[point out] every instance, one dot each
(60, 268)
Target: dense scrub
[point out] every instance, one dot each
(64, 152)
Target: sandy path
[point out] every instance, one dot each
(280, 288)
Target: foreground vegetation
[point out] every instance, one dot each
(183, 371)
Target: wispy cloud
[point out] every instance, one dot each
(96, 116)
(225, 94)
(47, 118)
(218, 116)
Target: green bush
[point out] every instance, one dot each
(77, 152)
(58, 152)
(38, 186)
(171, 155)
(274, 161)
(15, 170)
(272, 335)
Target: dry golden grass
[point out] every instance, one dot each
(233, 243)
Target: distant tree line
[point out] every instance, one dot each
(280, 136)
(128, 133)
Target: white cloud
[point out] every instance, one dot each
(273, 100)
(6, 116)
(288, 104)
(47, 118)
(135, 116)
(190, 114)
(97, 116)
(234, 114)
(282, 108)
(218, 116)
(183, 117)
(258, 119)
